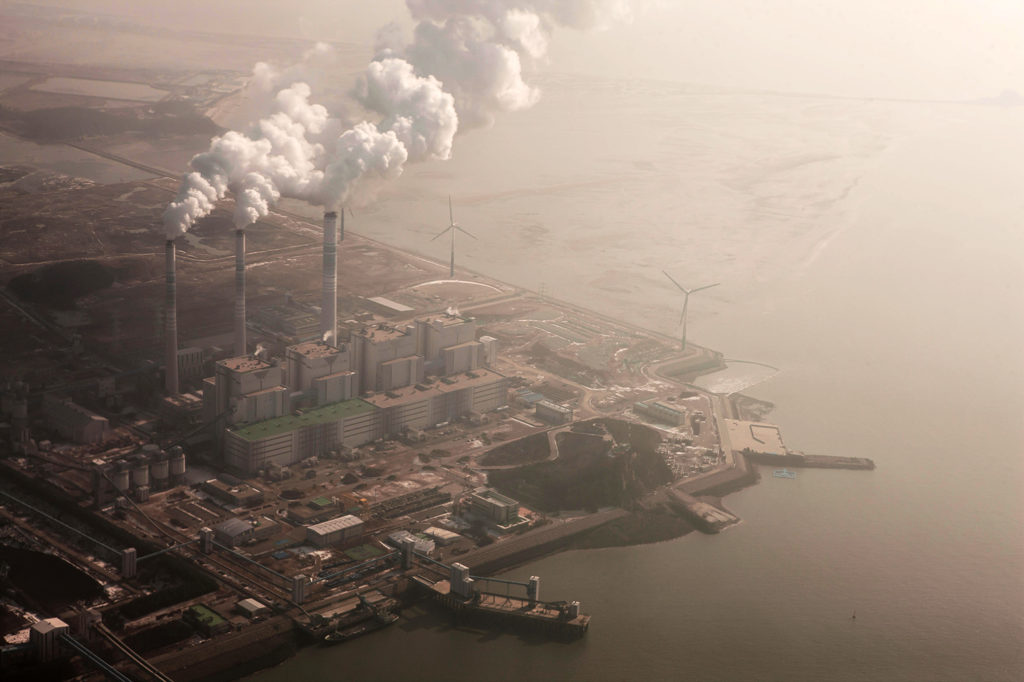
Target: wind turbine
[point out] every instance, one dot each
(452, 227)
(686, 301)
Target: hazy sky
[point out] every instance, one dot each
(941, 49)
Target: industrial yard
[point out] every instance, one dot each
(230, 458)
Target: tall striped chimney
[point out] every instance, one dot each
(240, 292)
(329, 306)
(171, 324)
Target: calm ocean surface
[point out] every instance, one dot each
(873, 251)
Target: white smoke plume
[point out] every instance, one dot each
(465, 63)
(417, 109)
(481, 49)
(363, 158)
(276, 157)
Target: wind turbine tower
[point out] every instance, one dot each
(452, 227)
(686, 301)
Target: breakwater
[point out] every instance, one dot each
(535, 543)
(799, 459)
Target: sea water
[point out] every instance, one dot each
(871, 251)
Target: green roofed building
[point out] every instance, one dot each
(289, 439)
(205, 619)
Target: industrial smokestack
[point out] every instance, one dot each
(240, 292)
(171, 324)
(329, 306)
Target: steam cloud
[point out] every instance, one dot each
(464, 64)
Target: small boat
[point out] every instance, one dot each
(376, 622)
(784, 473)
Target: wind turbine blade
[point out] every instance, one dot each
(680, 286)
(682, 314)
(440, 234)
(464, 231)
(704, 287)
(451, 214)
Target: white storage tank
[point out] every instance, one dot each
(177, 463)
(140, 472)
(159, 469)
(121, 476)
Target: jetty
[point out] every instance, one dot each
(762, 443)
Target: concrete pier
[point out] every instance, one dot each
(707, 517)
(798, 459)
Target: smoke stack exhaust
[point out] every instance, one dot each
(171, 324)
(240, 292)
(329, 306)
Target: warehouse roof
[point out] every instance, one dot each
(234, 527)
(342, 522)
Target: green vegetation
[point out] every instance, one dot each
(199, 585)
(639, 527)
(59, 285)
(321, 415)
(160, 636)
(587, 473)
(532, 448)
(204, 616)
(363, 552)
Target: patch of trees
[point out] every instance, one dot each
(522, 451)
(588, 474)
(59, 285)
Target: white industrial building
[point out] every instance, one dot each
(553, 413)
(334, 531)
(441, 536)
(494, 506)
(386, 357)
(437, 334)
(252, 608)
(426, 405)
(320, 372)
(44, 636)
(277, 416)
(291, 438)
(245, 389)
(419, 544)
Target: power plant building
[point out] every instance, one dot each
(289, 322)
(74, 422)
(427, 405)
(190, 365)
(436, 335)
(386, 365)
(376, 348)
(320, 373)
(289, 439)
(245, 389)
